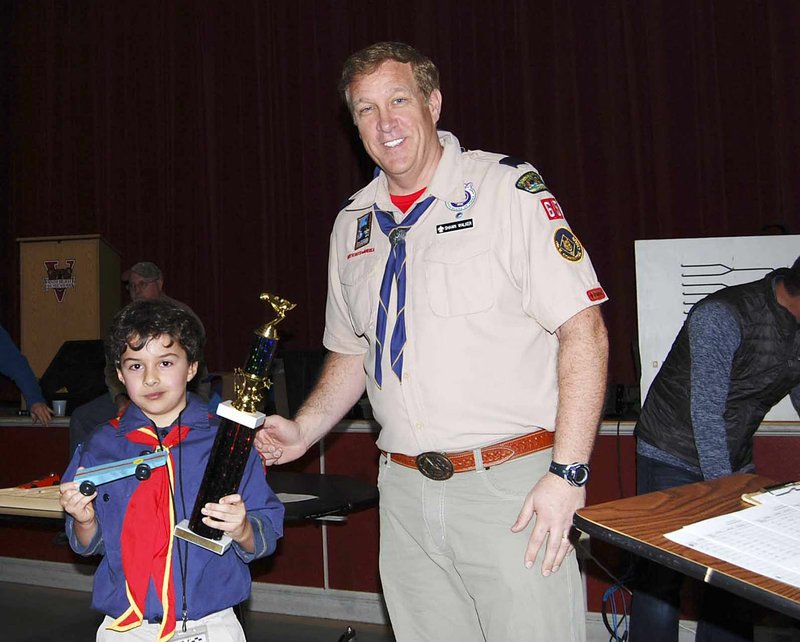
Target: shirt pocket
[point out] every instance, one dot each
(359, 291)
(458, 278)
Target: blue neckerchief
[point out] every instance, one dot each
(394, 270)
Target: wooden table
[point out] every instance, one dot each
(306, 497)
(637, 524)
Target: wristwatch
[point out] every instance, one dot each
(575, 474)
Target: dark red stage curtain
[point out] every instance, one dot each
(208, 137)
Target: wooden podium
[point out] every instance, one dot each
(69, 290)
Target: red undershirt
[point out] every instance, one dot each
(405, 201)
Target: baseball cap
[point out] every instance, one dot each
(144, 269)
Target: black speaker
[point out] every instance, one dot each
(76, 373)
(302, 368)
(622, 402)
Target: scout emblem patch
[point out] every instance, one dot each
(531, 182)
(363, 229)
(469, 199)
(568, 245)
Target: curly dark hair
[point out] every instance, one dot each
(146, 319)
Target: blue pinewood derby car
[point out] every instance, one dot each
(140, 467)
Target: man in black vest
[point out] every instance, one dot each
(737, 355)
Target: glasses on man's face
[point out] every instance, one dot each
(140, 285)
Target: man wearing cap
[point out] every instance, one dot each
(143, 280)
(460, 298)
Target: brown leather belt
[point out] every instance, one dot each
(441, 466)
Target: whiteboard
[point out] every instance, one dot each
(674, 274)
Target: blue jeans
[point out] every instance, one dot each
(655, 610)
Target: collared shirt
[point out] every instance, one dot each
(492, 270)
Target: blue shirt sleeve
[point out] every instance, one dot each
(714, 337)
(14, 365)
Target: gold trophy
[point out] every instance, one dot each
(240, 419)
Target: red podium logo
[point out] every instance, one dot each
(59, 279)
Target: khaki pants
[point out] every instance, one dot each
(452, 569)
(222, 627)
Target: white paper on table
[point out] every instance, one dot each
(788, 495)
(764, 539)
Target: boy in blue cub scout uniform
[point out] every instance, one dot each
(147, 579)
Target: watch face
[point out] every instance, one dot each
(578, 474)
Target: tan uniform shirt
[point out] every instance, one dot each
(493, 270)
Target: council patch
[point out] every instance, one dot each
(568, 245)
(531, 182)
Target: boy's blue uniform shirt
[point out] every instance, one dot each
(213, 582)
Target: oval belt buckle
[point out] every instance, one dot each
(435, 466)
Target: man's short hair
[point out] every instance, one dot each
(791, 280)
(146, 319)
(366, 61)
(145, 269)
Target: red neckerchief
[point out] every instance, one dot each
(146, 542)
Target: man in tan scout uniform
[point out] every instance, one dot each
(460, 298)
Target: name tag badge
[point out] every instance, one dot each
(195, 634)
(454, 226)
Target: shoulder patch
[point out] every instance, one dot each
(568, 245)
(531, 182)
(511, 161)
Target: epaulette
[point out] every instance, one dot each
(512, 161)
